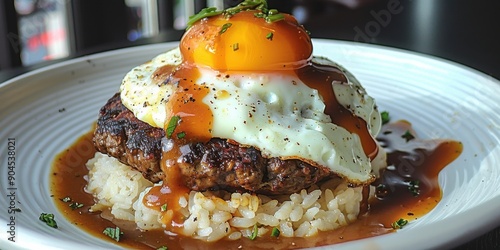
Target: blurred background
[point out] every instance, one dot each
(35, 33)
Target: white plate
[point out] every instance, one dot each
(46, 110)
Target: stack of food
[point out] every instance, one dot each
(238, 132)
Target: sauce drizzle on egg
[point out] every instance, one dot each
(194, 126)
(322, 78)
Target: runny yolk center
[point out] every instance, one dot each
(245, 42)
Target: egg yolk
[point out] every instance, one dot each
(245, 42)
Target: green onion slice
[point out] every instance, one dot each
(254, 232)
(113, 233)
(206, 12)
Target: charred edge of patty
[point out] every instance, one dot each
(135, 143)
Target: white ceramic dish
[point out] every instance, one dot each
(45, 111)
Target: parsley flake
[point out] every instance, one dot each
(163, 207)
(172, 124)
(275, 232)
(162, 248)
(236, 46)
(66, 199)
(75, 205)
(269, 36)
(181, 135)
(408, 136)
(399, 224)
(48, 219)
(385, 117)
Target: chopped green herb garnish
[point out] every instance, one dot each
(414, 187)
(272, 12)
(163, 207)
(408, 136)
(236, 46)
(48, 219)
(162, 248)
(399, 223)
(259, 15)
(181, 135)
(275, 232)
(206, 12)
(254, 232)
(66, 199)
(113, 233)
(270, 36)
(269, 16)
(385, 117)
(247, 5)
(172, 124)
(75, 205)
(224, 28)
(274, 18)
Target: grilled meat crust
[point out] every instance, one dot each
(133, 142)
(216, 164)
(222, 164)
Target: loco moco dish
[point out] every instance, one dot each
(241, 137)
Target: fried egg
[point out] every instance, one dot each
(264, 91)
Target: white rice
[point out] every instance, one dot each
(215, 215)
(117, 187)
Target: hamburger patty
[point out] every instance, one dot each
(216, 164)
(133, 142)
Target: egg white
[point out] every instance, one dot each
(278, 114)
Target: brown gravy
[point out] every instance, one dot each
(410, 159)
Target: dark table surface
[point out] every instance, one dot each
(462, 31)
